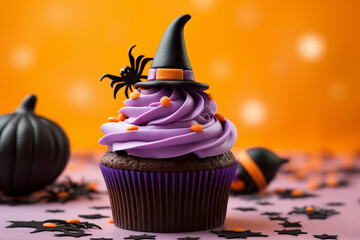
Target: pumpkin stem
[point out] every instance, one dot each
(27, 105)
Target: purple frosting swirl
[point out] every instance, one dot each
(164, 132)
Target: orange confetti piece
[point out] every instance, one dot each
(111, 220)
(113, 119)
(132, 128)
(121, 117)
(92, 186)
(279, 190)
(237, 229)
(310, 209)
(73, 220)
(196, 128)
(238, 185)
(312, 185)
(332, 182)
(62, 194)
(134, 94)
(49, 225)
(297, 192)
(165, 101)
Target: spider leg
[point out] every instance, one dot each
(143, 76)
(131, 89)
(114, 79)
(142, 65)
(126, 91)
(131, 58)
(138, 59)
(117, 88)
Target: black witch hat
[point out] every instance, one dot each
(171, 65)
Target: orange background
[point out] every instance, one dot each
(285, 72)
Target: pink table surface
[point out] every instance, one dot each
(346, 224)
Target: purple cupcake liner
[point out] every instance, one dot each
(170, 201)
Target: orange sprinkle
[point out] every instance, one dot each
(237, 229)
(111, 220)
(279, 190)
(310, 209)
(92, 186)
(238, 185)
(132, 128)
(141, 88)
(49, 225)
(113, 119)
(62, 194)
(73, 220)
(210, 97)
(220, 117)
(165, 101)
(121, 117)
(134, 94)
(196, 128)
(297, 192)
(332, 182)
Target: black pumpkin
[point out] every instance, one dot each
(33, 150)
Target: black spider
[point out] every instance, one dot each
(129, 75)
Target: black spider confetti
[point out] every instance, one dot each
(326, 236)
(66, 229)
(294, 232)
(246, 209)
(289, 194)
(335, 204)
(100, 207)
(101, 238)
(317, 213)
(265, 203)
(129, 75)
(228, 234)
(286, 223)
(143, 236)
(271, 213)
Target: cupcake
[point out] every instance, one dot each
(168, 167)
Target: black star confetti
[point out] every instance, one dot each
(325, 236)
(228, 234)
(101, 238)
(256, 197)
(93, 216)
(55, 211)
(271, 213)
(265, 203)
(290, 224)
(246, 209)
(138, 237)
(318, 213)
(294, 232)
(335, 204)
(66, 229)
(277, 218)
(188, 238)
(100, 208)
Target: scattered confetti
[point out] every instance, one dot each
(335, 204)
(93, 216)
(271, 213)
(325, 236)
(55, 211)
(318, 213)
(246, 209)
(294, 232)
(138, 237)
(286, 223)
(265, 203)
(100, 207)
(188, 238)
(233, 234)
(101, 238)
(294, 194)
(277, 218)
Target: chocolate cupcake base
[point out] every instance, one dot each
(168, 201)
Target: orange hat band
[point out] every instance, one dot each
(252, 169)
(170, 74)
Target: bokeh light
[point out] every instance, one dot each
(22, 58)
(311, 47)
(253, 112)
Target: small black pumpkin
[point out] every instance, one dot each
(33, 150)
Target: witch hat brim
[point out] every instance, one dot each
(171, 66)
